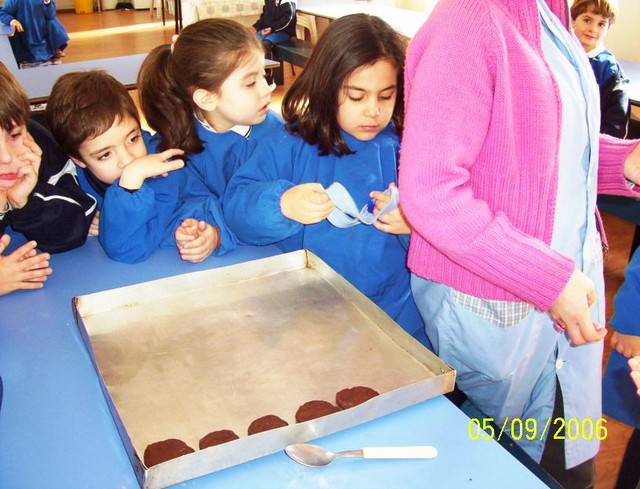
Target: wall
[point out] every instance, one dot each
(624, 37)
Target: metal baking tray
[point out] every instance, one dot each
(186, 355)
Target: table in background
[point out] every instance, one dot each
(406, 22)
(57, 432)
(38, 81)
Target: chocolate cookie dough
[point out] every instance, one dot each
(164, 450)
(315, 409)
(217, 438)
(347, 398)
(266, 423)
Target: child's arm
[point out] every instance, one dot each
(306, 203)
(392, 222)
(284, 16)
(151, 165)
(196, 240)
(25, 268)
(18, 195)
(252, 200)
(626, 345)
(614, 104)
(57, 213)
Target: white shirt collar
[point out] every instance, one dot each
(241, 130)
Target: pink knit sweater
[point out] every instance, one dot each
(479, 155)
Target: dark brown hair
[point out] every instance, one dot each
(14, 104)
(310, 106)
(601, 7)
(204, 56)
(85, 104)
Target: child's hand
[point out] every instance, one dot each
(151, 165)
(25, 268)
(625, 344)
(634, 363)
(196, 240)
(94, 229)
(266, 31)
(392, 222)
(30, 159)
(16, 25)
(307, 203)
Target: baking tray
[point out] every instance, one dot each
(186, 355)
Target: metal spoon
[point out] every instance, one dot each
(315, 456)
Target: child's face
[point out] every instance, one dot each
(243, 98)
(11, 148)
(590, 29)
(107, 154)
(367, 100)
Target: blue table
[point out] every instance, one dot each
(56, 430)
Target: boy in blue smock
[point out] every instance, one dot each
(146, 200)
(591, 20)
(619, 399)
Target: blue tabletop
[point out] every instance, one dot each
(56, 430)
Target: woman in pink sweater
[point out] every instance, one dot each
(500, 165)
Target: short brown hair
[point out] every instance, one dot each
(14, 104)
(85, 104)
(601, 7)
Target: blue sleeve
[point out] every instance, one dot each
(252, 200)
(604, 67)
(8, 12)
(133, 224)
(626, 303)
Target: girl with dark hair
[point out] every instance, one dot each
(207, 95)
(343, 118)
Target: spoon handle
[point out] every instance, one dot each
(400, 452)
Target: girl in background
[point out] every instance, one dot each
(343, 119)
(39, 34)
(208, 96)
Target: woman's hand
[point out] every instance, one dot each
(571, 310)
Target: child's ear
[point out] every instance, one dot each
(205, 99)
(78, 162)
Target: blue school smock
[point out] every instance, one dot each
(43, 33)
(371, 260)
(619, 397)
(134, 223)
(223, 153)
